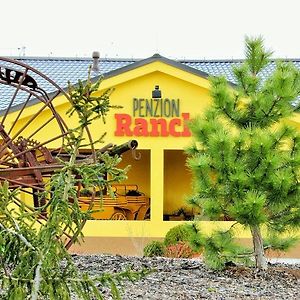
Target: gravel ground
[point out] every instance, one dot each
(191, 279)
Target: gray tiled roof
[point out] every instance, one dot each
(62, 70)
(224, 67)
(214, 68)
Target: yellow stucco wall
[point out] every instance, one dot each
(177, 181)
(139, 172)
(161, 167)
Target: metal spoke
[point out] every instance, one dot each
(19, 114)
(40, 128)
(32, 118)
(21, 183)
(35, 147)
(9, 143)
(21, 80)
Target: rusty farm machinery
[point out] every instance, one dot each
(31, 144)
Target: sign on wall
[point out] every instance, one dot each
(153, 117)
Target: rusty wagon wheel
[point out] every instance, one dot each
(31, 137)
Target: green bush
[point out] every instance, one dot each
(179, 233)
(154, 248)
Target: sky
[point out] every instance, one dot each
(187, 29)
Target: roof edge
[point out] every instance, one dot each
(156, 55)
(154, 58)
(68, 58)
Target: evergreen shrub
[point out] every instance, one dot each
(179, 233)
(154, 248)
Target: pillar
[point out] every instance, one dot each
(157, 184)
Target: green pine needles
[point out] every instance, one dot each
(245, 157)
(33, 258)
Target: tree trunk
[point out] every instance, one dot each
(260, 259)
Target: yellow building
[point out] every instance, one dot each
(158, 96)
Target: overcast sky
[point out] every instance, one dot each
(138, 29)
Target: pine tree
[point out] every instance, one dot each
(34, 263)
(245, 157)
